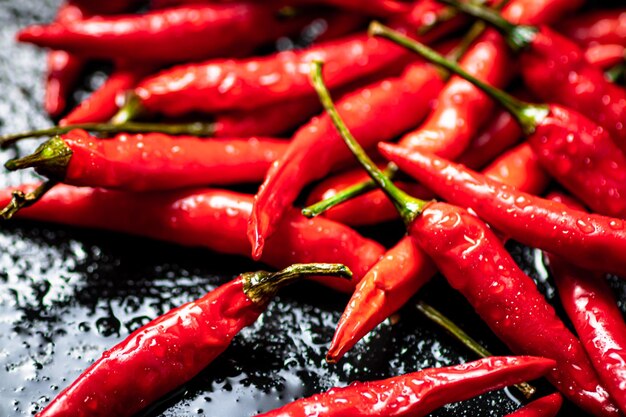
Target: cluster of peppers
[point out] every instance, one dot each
(200, 58)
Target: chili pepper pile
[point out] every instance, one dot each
(199, 96)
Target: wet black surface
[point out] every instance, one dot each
(67, 295)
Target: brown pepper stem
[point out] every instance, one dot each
(21, 199)
(51, 159)
(261, 286)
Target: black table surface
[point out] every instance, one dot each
(66, 295)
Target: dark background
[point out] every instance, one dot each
(66, 295)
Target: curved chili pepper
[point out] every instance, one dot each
(152, 161)
(213, 219)
(592, 308)
(404, 269)
(101, 106)
(64, 68)
(475, 262)
(605, 56)
(164, 36)
(555, 70)
(222, 85)
(379, 111)
(573, 149)
(543, 407)
(419, 393)
(172, 349)
(596, 26)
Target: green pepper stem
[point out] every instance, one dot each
(408, 207)
(437, 317)
(518, 36)
(21, 199)
(261, 286)
(527, 115)
(192, 129)
(131, 109)
(347, 194)
(616, 73)
(51, 159)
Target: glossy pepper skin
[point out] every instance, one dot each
(243, 84)
(102, 104)
(591, 306)
(596, 27)
(158, 357)
(475, 262)
(154, 161)
(64, 68)
(165, 36)
(589, 240)
(556, 71)
(419, 393)
(212, 219)
(605, 56)
(404, 269)
(173, 348)
(376, 112)
(547, 406)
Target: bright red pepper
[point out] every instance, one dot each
(544, 407)
(250, 83)
(152, 161)
(605, 56)
(596, 27)
(404, 269)
(417, 394)
(592, 308)
(164, 36)
(380, 111)
(64, 68)
(213, 219)
(573, 149)
(475, 262)
(173, 348)
(102, 105)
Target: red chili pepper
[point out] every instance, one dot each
(172, 349)
(475, 262)
(544, 407)
(555, 70)
(417, 394)
(222, 85)
(596, 26)
(152, 161)
(101, 106)
(592, 308)
(213, 219)
(573, 149)
(164, 36)
(380, 111)
(404, 269)
(64, 68)
(605, 56)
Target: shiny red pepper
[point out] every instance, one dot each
(152, 161)
(596, 27)
(64, 68)
(475, 262)
(417, 394)
(605, 56)
(544, 407)
(380, 111)
(576, 151)
(102, 105)
(165, 36)
(250, 83)
(213, 219)
(172, 349)
(404, 269)
(592, 308)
